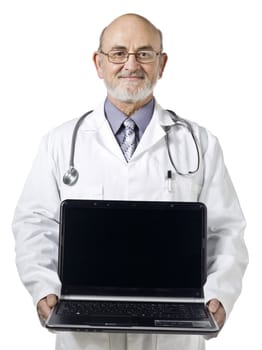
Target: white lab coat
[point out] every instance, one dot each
(105, 174)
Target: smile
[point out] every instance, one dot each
(130, 77)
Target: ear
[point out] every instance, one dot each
(163, 61)
(98, 64)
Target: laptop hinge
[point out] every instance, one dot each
(132, 298)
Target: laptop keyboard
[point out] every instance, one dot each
(177, 311)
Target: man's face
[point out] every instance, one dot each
(131, 81)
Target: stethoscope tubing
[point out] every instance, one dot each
(74, 136)
(179, 121)
(71, 175)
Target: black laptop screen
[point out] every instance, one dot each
(132, 247)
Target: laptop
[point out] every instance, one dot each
(132, 266)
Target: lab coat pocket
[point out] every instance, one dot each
(82, 192)
(186, 188)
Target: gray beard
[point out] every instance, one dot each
(123, 95)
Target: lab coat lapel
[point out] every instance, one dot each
(154, 132)
(106, 139)
(98, 123)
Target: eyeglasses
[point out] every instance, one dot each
(121, 56)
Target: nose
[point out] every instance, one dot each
(131, 63)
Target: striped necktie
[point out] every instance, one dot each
(129, 142)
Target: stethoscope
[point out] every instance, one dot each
(71, 176)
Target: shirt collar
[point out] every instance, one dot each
(141, 117)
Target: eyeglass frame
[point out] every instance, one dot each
(131, 53)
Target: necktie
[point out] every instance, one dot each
(129, 142)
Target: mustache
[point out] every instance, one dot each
(137, 74)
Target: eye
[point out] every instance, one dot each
(118, 54)
(144, 54)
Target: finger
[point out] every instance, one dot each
(51, 300)
(43, 309)
(213, 305)
(220, 316)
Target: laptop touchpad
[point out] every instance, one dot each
(110, 321)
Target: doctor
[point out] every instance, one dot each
(130, 60)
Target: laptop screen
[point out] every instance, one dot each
(139, 246)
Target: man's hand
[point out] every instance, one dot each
(45, 305)
(218, 311)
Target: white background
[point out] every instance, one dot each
(213, 76)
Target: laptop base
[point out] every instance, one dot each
(70, 316)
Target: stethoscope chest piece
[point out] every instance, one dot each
(71, 176)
